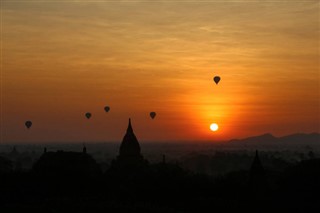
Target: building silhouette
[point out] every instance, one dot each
(130, 156)
(256, 167)
(66, 164)
(130, 147)
(258, 180)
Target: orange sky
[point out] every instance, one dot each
(62, 59)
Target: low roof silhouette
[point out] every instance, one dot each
(66, 163)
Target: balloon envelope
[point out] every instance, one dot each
(88, 115)
(28, 124)
(106, 108)
(216, 79)
(152, 115)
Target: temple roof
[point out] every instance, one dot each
(62, 163)
(130, 145)
(256, 166)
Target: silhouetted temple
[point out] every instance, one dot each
(256, 167)
(66, 164)
(129, 152)
(130, 148)
(258, 180)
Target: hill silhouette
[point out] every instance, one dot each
(298, 138)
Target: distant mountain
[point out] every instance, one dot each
(261, 138)
(301, 138)
(270, 139)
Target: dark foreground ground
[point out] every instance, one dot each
(72, 182)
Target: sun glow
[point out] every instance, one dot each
(214, 127)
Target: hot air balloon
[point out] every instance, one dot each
(28, 124)
(216, 79)
(152, 115)
(88, 115)
(106, 108)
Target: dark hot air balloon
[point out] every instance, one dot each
(28, 124)
(88, 115)
(152, 115)
(216, 79)
(106, 108)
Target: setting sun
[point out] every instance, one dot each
(214, 127)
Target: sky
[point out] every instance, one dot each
(61, 59)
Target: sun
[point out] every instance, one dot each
(214, 127)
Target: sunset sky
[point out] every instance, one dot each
(61, 59)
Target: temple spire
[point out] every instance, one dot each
(129, 157)
(256, 165)
(129, 129)
(258, 180)
(130, 145)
